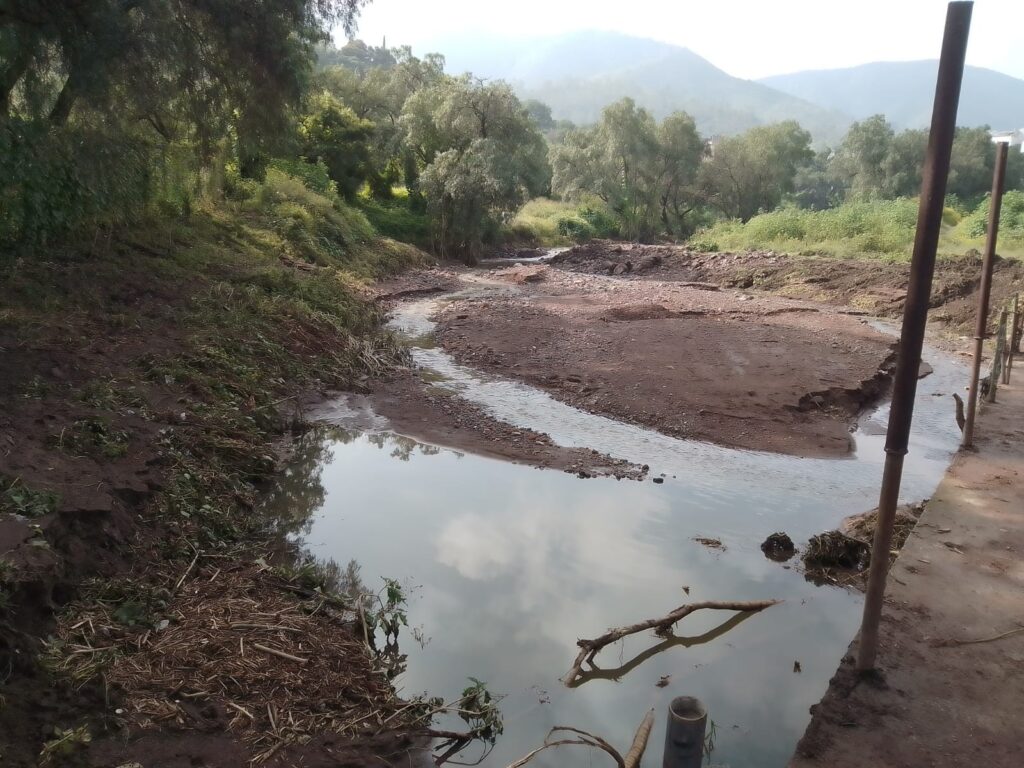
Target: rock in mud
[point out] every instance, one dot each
(778, 547)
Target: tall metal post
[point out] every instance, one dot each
(915, 313)
(984, 293)
(1011, 338)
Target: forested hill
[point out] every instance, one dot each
(903, 92)
(579, 74)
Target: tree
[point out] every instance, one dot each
(859, 165)
(331, 132)
(752, 172)
(189, 65)
(681, 150)
(540, 113)
(481, 154)
(644, 171)
(379, 93)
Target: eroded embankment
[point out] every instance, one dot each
(691, 361)
(146, 383)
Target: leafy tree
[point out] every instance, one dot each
(681, 150)
(645, 172)
(332, 133)
(379, 94)
(540, 113)
(752, 172)
(860, 161)
(481, 154)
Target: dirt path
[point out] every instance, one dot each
(690, 360)
(959, 577)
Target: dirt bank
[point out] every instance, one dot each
(952, 645)
(416, 408)
(743, 370)
(875, 286)
(146, 380)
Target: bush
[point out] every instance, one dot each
(396, 219)
(314, 176)
(553, 222)
(56, 180)
(575, 228)
(877, 228)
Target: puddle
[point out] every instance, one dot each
(513, 564)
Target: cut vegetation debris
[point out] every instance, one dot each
(842, 557)
(234, 646)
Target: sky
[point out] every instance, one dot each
(746, 38)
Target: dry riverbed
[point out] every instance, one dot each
(687, 359)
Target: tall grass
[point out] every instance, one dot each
(877, 229)
(543, 221)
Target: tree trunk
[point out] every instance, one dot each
(65, 101)
(13, 72)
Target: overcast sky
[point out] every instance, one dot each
(746, 38)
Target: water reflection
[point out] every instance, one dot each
(671, 641)
(516, 563)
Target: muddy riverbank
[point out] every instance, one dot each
(692, 361)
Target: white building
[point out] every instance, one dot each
(1013, 138)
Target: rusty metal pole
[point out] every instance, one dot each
(1011, 339)
(985, 291)
(915, 314)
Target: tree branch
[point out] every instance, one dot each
(589, 648)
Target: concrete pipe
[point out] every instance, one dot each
(684, 737)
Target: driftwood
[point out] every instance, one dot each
(589, 648)
(584, 739)
(670, 641)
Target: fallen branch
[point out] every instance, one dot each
(631, 760)
(589, 648)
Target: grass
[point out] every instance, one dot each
(546, 222)
(877, 229)
(396, 219)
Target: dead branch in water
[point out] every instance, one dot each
(631, 760)
(589, 648)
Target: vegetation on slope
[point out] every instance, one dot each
(874, 228)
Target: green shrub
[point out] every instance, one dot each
(601, 221)
(575, 228)
(314, 176)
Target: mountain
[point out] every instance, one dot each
(578, 74)
(903, 92)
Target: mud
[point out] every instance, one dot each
(725, 366)
(874, 286)
(413, 407)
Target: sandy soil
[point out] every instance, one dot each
(951, 693)
(690, 360)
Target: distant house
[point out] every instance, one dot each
(1013, 138)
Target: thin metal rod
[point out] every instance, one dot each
(1011, 339)
(985, 292)
(915, 313)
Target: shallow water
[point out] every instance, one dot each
(514, 563)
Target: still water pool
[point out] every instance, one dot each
(510, 564)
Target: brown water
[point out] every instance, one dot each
(509, 565)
